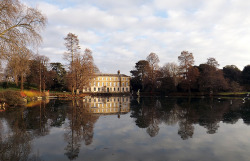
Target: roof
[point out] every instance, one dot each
(111, 75)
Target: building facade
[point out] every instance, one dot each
(109, 83)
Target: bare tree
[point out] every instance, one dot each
(212, 62)
(153, 61)
(43, 62)
(88, 68)
(186, 60)
(18, 64)
(73, 57)
(171, 70)
(19, 26)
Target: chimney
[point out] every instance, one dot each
(118, 72)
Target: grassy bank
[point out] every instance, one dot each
(16, 97)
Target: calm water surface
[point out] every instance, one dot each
(120, 128)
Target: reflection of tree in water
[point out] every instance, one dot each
(153, 130)
(16, 142)
(22, 125)
(186, 112)
(15, 139)
(80, 128)
(16, 146)
(88, 122)
(147, 115)
(245, 112)
(186, 130)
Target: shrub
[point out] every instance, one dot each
(13, 98)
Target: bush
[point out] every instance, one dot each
(13, 98)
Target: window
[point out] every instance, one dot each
(110, 84)
(98, 84)
(102, 83)
(114, 89)
(94, 89)
(118, 89)
(107, 78)
(123, 84)
(118, 83)
(114, 83)
(127, 83)
(94, 83)
(99, 89)
(107, 84)
(122, 89)
(127, 89)
(122, 78)
(102, 78)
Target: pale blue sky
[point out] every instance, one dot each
(120, 33)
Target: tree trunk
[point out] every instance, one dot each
(21, 81)
(16, 79)
(40, 78)
(73, 90)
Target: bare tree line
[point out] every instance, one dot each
(20, 28)
(148, 76)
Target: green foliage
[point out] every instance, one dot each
(140, 75)
(245, 75)
(232, 73)
(6, 85)
(59, 79)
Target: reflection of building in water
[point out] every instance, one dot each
(107, 105)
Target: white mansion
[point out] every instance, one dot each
(109, 83)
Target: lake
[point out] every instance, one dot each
(122, 128)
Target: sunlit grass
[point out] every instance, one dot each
(233, 93)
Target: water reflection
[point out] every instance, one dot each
(19, 126)
(76, 121)
(149, 113)
(107, 105)
(82, 116)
